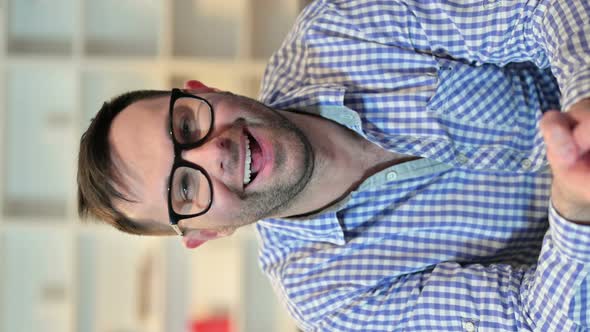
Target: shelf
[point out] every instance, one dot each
(34, 206)
(30, 29)
(62, 60)
(86, 301)
(252, 86)
(117, 274)
(242, 292)
(98, 87)
(37, 281)
(271, 21)
(205, 299)
(196, 21)
(263, 312)
(40, 149)
(121, 27)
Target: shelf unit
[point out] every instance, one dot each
(59, 59)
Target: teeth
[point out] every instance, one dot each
(248, 162)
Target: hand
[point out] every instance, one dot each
(567, 136)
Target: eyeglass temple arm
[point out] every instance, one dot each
(176, 229)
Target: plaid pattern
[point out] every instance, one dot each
(465, 239)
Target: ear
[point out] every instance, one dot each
(198, 86)
(196, 237)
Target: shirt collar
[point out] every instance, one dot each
(322, 227)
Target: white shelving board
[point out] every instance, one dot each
(40, 27)
(115, 27)
(38, 130)
(37, 272)
(59, 60)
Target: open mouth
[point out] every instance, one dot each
(253, 161)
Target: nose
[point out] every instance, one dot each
(218, 156)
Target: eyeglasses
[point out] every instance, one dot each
(190, 193)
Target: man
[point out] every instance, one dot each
(397, 166)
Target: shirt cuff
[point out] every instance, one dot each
(571, 239)
(578, 88)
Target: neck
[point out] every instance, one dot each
(343, 159)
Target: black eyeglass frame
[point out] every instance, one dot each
(180, 162)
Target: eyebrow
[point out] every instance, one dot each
(182, 107)
(166, 181)
(167, 129)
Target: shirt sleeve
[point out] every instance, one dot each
(454, 297)
(555, 33)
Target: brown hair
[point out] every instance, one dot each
(97, 176)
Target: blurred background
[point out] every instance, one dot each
(59, 60)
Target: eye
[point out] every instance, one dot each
(186, 188)
(185, 125)
(186, 129)
(190, 192)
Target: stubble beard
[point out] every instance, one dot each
(290, 178)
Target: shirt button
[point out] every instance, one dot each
(469, 326)
(526, 164)
(462, 159)
(391, 176)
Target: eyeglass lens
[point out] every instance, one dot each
(191, 119)
(190, 193)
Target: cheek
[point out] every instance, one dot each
(231, 109)
(226, 204)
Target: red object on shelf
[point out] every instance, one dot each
(211, 324)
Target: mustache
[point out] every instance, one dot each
(234, 152)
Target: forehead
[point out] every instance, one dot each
(142, 154)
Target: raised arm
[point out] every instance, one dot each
(545, 32)
(455, 297)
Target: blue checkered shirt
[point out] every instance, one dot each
(464, 239)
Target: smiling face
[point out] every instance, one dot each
(247, 137)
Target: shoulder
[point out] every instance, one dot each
(287, 67)
(302, 272)
(333, 43)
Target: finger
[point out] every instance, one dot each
(582, 129)
(557, 131)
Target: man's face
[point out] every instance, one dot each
(143, 153)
